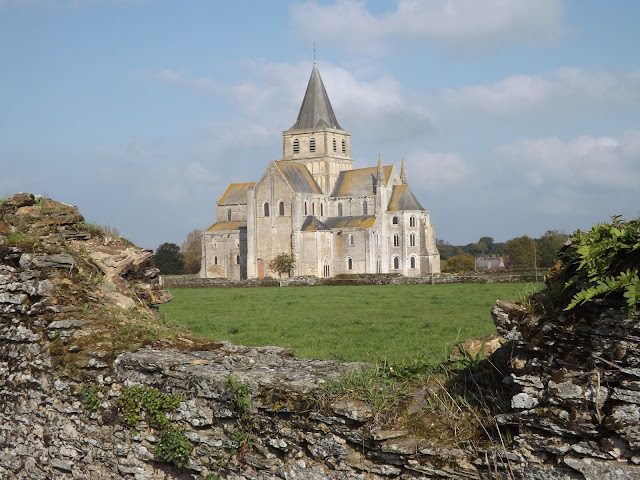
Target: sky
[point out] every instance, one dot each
(513, 117)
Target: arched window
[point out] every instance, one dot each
(396, 240)
(237, 259)
(296, 146)
(266, 209)
(394, 220)
(215, 260)
(413, 261)
(339, 209)
(396, 263)
(322, 209)
(228, 214)
(313, 208)
(306, 205)
(326, 270)
(281, 208)
(335, 145)
(349, 263)
(378, 264)
(412, 221)
(351, 239)
(365, 207)
(312, 144)
(344, 146)
(412, 240)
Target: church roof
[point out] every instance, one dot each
(316, 110)
(223, 226)
(298, 177)
(359, 221)
(358, 183)
(402, 198)
(313, 223)
(236, 194)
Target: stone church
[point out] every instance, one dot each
(314, 206)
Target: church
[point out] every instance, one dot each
(314, 206)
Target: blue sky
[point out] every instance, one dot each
(513, 117)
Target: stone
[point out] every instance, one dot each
(523, 401)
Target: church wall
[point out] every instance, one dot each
(273, 232)
(220, 255)
(353, 244)
(238, 213)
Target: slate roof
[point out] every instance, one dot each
(358, 221)
(316, 110)
(402, 198)
(223, 226)
(298, 177)
(312, 223)
(359, 182)
(236, 194)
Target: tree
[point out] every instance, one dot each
(460, 263)
(522, 253)
(192, 252)
(282, 263)
(168, 259)
(548, 247)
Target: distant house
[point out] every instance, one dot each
(490, 263)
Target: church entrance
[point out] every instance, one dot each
(260, 269)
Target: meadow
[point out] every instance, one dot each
(382, 323)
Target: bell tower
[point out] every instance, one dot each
(317, 140)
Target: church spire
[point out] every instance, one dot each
(403, 174)
(380, 174)
(316, 110)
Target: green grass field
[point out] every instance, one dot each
(394, 323)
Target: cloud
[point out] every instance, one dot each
(568, 89)
(463, 26)
(586, 164)
(436, 171)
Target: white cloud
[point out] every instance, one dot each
(436, 171)
(462, 26)
(568, 89)
(586, 164)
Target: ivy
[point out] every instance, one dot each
(90, 396)
(601, 263)
(140, 401)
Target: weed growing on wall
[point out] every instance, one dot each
(245, 424)
(138, 402)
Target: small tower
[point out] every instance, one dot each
(317, 140)
(403, 174)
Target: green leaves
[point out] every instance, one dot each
(603, 262)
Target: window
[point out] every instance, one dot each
(237, 259)
(215, 260)
(281, 208)
(349, 263)
(228, 214)
(396, 263)
(344, 146)
(396, 240)
(412, 240)
(312, 144)
(322, 209)
(296, 146)
(339, 209)
(412, 221)
(306, 205)
(395, 220)
(335, 145)
(365, 207)
(266, 209)
(378, 264)
(326, 270)
(351, 239)
(413, 261)
(313, 208)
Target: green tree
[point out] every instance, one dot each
(548, 247)
(522, 253)
(282, 263)
(463, 262)
(168, 259)
(192, 251)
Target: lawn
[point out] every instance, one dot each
(393, 323)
